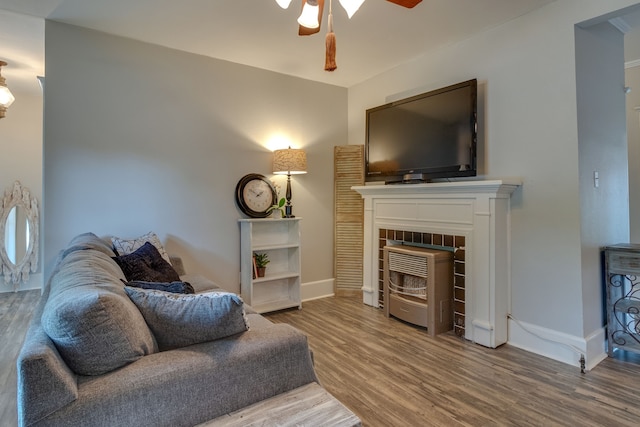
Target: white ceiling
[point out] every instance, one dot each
(259, 33)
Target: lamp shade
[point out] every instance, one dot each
(289, 161)
(309, 16)
(351, 6)
(6, 97)
(284, 3)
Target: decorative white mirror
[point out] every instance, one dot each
(18, 234)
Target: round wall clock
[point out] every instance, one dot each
(255, 195)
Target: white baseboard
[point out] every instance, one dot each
(28, 287)
(596, 348)
(558, 345)
(316, 290)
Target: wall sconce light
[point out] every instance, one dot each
(6, 97)
(289, 161)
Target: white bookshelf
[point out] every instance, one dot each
(280, 239)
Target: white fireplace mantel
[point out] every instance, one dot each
(478, 210)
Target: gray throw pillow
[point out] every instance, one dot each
(179, 320)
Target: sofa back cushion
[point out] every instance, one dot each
(87, 241)
(94, 325)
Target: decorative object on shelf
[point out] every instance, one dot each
(289, 161)
(260, 261)
(310, 20)
(6, 97)
(18, 234)
(255, 195)
(277, 209)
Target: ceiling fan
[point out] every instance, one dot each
(311, 18)
(406, 3)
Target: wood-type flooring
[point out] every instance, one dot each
(390, 373)
(15, 313)
(393, 374)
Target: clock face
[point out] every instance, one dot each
(257, 195)
(254, 195)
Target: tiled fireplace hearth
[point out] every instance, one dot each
(470, 217)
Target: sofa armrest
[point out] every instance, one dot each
(200, 283)
(45, 382)
(177, 264)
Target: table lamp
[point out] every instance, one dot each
(289, 161)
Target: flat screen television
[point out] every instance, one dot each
(424, 137)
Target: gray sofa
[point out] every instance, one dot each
(149, 386)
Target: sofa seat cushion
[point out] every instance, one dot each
(180, 320)
(190, 385)
(94, 325)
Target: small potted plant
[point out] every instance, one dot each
(261, 260)
(277, 210)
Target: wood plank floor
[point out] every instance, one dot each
(15, 313)
(393, 374)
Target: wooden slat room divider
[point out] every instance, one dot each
(349, 216)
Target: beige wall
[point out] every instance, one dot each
(602, 137)
(632, 76)
(21, 158)
(526, 72)
(21, 129)
(140, 137)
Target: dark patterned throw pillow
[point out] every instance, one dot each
(146, 264)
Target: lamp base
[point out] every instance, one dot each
(288, 208)
(288, 212)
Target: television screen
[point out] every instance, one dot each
(427, 136)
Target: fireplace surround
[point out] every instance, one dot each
(472, 218)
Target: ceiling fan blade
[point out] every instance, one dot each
(406, 3)
(304, 31)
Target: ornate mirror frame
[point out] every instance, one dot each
(19, 196)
